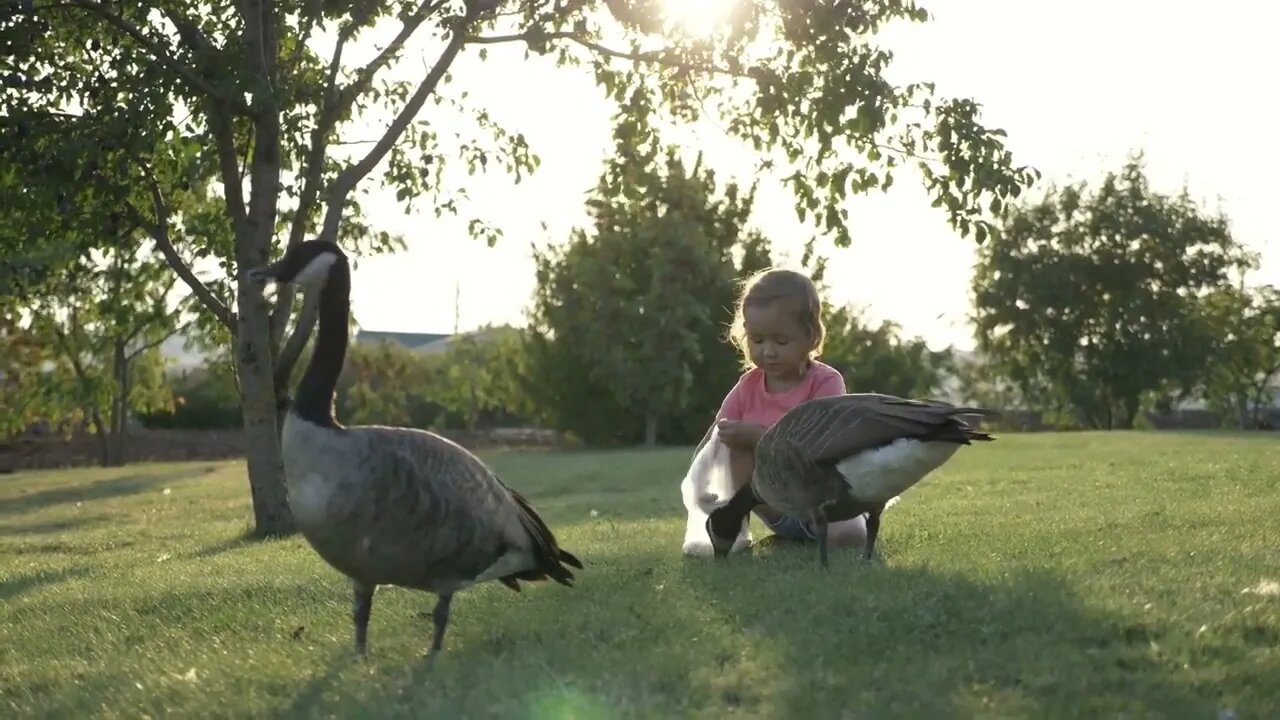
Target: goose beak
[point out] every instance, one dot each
(267, 273)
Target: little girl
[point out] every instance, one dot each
(778, 326)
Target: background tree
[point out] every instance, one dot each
(878, 359)
(1244, 324)
(28, 386)
(241, 93)
(205, 397)
(106, 318)
(1094, 295)
(627, 312)
(514, 380)
(381, 383)
(478, 375)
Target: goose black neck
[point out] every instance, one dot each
(314, 398)
(727, 520)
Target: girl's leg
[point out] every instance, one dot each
(785, 525)
(742, 464)
(848, 533)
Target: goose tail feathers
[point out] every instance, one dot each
(552, 562)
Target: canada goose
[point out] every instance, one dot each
(393, 505)
(835, 458)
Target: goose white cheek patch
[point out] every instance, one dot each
(708, 485)
(317, 270)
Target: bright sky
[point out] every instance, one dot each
(1076, 85)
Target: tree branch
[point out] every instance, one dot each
(331, 108)
(156, 49)
(366, 74)
(148, 345)
(228, 165)
(159, 232)
(664, 56)
(353, 174)
(157, 316)
(308, 23)
(334, 106)
(297, 341)
(63, 342)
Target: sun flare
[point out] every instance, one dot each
(699, 18)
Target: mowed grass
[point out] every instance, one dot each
(1080, 575)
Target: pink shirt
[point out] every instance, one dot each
(748, 401)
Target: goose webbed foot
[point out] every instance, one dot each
(440, 619)
(361, 606)
(873, 529)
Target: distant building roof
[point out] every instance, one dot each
(483, 334)
(405, 339)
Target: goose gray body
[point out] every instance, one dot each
(835, 458)
(400, 506)
(392, 505)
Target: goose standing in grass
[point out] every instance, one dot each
(837, 457)
(393, 505)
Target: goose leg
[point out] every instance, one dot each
(361, 606)
(873, 529)
(820, 530)
(440, 618)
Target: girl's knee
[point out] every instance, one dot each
(848, 533)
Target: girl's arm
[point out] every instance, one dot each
(730, 409)
(832, 383)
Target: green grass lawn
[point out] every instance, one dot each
(1083, 575)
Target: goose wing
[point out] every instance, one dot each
(486, 512)
(830, 429)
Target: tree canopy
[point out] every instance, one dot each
(876, 358)
(1093, 294)
(628, 316)
(1243, 325)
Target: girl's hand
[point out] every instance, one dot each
(736, 432)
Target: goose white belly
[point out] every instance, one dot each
(880, 475)
(309, 458)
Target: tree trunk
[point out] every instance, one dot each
(271, 514)
(255, 356)
(1129, 413)
(1243, 416)
(104, 447)
(122, 432)
(119, 405)
(651, 429)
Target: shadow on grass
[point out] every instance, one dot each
(54, 526)
(21, 584)
(884, 640)
(96, 490)
(243, 539)
(772, 636)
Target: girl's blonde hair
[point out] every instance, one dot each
(777, 285)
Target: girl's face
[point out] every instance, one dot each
(778, 343)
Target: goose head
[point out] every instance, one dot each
(723, 530)
(725, 522)
(306, 264)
